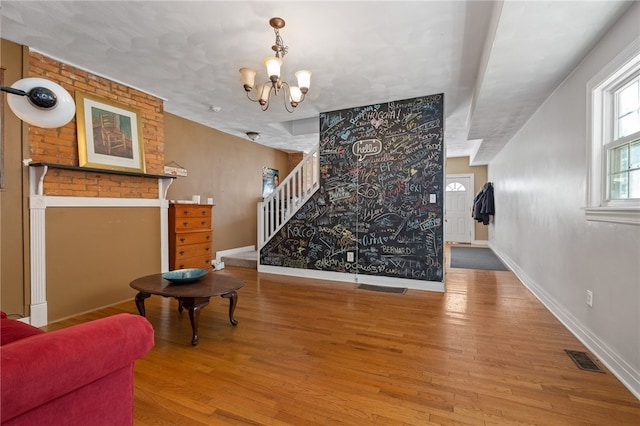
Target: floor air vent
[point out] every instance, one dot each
(583, 361)
(397, 290)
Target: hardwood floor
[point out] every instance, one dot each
(308, 352)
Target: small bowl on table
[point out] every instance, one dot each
(185, 276)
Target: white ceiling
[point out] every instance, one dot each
(495, 61)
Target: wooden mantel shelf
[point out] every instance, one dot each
(37, 179)
(105, 171)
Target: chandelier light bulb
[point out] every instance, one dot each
(248, 76)
(273, 65)
(304, 80)
(263, 91)
(296, 94)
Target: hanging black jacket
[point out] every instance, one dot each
(483, 204)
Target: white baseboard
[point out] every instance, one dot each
(627, 374)
(38, 316)
(230, 252)
(353, 278)
(480, 242)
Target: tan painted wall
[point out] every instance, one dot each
(223, 167)
(94, 253)
(460, 165)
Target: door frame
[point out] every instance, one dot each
(472, 192)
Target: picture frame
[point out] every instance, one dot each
(109, 134)
(270, 180)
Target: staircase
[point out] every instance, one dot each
(288, 197)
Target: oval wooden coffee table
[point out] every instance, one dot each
(191, 296)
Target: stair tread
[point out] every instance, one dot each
(247, 259)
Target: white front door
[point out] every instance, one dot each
(458, 218)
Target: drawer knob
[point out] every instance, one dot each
(203, 222)
(182, 253)
(208, 237)
(185, 223)
(186, 212)
(182, 239)
(207, 249)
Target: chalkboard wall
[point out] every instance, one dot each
(380, 198)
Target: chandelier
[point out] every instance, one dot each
(292, 95)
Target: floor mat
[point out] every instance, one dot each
(475, 258)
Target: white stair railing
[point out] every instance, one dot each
(288, 197)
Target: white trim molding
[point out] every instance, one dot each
(354, 278)
(37, 241)
(627, 215)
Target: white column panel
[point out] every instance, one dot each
(37, 208)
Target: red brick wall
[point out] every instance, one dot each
(60, 146)
(294, 158)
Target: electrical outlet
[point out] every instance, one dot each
(589, 298)
(350, 257)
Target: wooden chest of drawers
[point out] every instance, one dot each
(190, 236)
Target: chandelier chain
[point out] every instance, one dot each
(279, 47)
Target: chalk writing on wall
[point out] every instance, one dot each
(380, 197)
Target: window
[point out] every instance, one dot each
(455, 186)
(614, 172)
(624, 150)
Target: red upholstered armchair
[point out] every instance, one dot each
(80, 375)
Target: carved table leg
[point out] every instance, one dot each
(140, 302)
(194, 304)
(233, 301)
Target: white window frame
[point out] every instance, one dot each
(600, 110)
(455, 188)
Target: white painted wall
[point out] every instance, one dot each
(540, 182)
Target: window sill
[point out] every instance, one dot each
(626, 215)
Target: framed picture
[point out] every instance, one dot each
(270, 180)
(109, 135)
